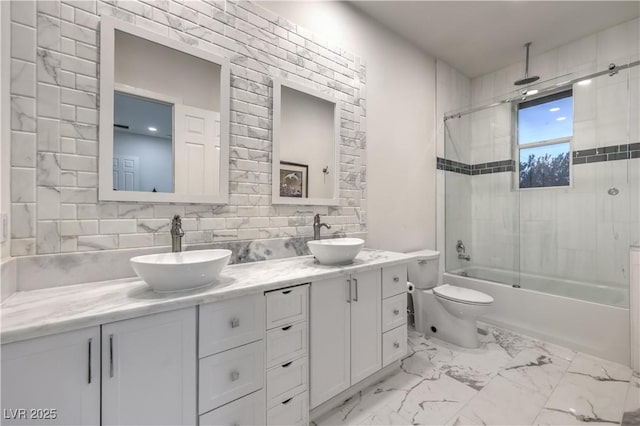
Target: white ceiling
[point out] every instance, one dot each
(477, 37)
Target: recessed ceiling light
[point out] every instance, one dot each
(561, 118)
(554, 109)
(584, 82)
(532, 92)
(152, 129)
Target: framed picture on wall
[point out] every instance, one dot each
(294, 180)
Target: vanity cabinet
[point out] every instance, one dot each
(345, 329)
(232, 361)
(52, 380)
(287, 356)
(149, 370)
(148, 374)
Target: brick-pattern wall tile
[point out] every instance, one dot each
(55, 113)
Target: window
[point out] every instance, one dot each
(545, 128)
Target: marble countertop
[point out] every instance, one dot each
(36, 313)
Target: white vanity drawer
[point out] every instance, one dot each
(230, 323)
(394, 280)
(287, 306)
(394, 345)
(286, 380)
(247, 411)
(394, 312)
(292, 411)
(286, 343)
(229, 375)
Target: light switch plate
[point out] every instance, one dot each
(4, 227)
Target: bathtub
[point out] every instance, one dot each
(597, 293)
(592, 326)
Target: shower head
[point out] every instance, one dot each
(526, 79)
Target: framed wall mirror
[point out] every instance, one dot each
(306, 145)
(164, 119)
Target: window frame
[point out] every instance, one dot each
(538, 100)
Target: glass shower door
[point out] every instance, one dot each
(481, 203)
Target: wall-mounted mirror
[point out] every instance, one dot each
(306, 137)
(164, 119)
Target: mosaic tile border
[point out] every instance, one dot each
(585, 156)
(607, 153)
(475, 169)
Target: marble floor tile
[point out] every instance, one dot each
(473, 367)
(510, 379)
(551, 417)
(536, 370)
(631, 416)
(434, 402)
(592, 391)
(514, 343)
(461, 421)
(503, 402)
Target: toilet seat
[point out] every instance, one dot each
(462, 295)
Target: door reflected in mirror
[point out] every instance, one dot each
(142, 144)
(169, 119)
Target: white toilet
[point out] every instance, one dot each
(447, 312)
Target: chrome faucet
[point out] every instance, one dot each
(176, 234)
(460, 248)
(317, 226)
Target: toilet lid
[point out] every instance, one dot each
(462, 295)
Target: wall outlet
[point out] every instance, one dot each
(4, 227)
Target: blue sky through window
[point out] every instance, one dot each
(547, 121)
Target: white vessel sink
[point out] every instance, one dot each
(336, 251)
(187, 270)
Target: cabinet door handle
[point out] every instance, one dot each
(235, 322)
(287, 364)
(349, 296)
(396, 345)
(286, 328)
(235, 375)
(287, 401)
(396, 279)
(355, 299)
(396, 312)
(286, 292)
(111, 355)
(89, 363)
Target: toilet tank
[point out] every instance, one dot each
(423, 270)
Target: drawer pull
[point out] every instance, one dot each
(396, 312)
(235, 375)
(287, 401)
(89, 372)
(396, 345)
(111, 355)
(287, 364)
(396, 279)
(286, 328)
(235, 322)
(286, 292)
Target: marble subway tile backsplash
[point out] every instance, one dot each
(55, 110)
